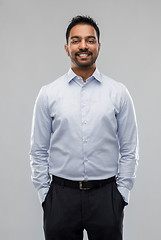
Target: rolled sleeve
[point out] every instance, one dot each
(128, 141)
(40, 143)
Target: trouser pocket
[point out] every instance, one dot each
(47, 195)
(118, 203)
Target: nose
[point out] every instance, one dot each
(83, 44)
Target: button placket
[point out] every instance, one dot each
(84, 111)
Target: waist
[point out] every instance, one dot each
(82, 185)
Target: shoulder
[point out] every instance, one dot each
(117, 90)
(112, 84)
(54, 87)
(55, 83)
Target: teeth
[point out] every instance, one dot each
(83, 55)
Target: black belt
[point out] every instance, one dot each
(82, 185)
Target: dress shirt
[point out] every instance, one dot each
(84, 131)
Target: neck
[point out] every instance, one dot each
(84, 72)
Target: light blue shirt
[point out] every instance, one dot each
(84, 131)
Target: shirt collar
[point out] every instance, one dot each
(71, 75)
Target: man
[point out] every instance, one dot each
(82, 123)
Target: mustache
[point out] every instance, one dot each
(77, 53)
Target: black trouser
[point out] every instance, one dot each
(68, 211)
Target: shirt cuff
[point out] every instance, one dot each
(42, 194)
(125, 194)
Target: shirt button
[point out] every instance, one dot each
(85, 140)
(85, 122)
(84, 104)
(86, 159)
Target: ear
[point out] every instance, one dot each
(66, 49)
(99, 46)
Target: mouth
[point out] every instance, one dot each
(83, 55)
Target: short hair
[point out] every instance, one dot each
(82, 20)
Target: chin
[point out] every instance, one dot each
(84, 65)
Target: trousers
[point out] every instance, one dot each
(67, 212)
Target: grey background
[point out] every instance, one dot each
(32, 38)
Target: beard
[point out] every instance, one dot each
(83, 63)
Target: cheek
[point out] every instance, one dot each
(72, 51)
(95, 51)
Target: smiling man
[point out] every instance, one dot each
(83, 47)
(84, 145)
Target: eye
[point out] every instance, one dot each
(91, 41)
(74, 41)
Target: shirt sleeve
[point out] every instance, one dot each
(40, 143)
(128, 141)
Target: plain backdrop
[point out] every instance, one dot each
(32, 38)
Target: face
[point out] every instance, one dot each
(83, 46)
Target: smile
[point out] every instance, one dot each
(83, 54)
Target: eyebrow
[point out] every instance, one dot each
(79, 37)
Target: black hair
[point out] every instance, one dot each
(82, 20)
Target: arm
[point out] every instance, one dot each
(40, 143)
(128, 141)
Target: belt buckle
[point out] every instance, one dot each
(80, 186)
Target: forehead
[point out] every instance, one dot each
(83, 30)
